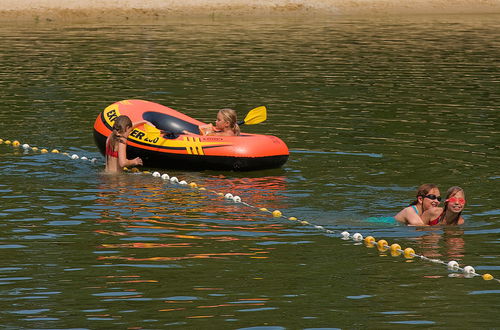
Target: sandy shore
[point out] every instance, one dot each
(130, 9)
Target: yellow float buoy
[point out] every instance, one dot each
(369, 241)
(382, 245)
(409, 253)
(16, 143)
(395, 250)
(487, 277)
(55, 151)
(263, 209)
(292, 218)
(44, 151)
(277, 213)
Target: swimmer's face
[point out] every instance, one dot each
(127, 132)
(221, 123)
(456, 202)
(431, 200)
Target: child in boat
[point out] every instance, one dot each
(427, 197)
(116, 145)
(451, 214)
(225, 125)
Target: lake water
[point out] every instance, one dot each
(370, 109)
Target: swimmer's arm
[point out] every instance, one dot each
(122, 156)
(414, 220)
(400, 217)
(409, 217)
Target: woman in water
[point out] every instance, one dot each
(451, 214)
(427, 197)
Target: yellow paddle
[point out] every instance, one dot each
(255, 116)
(151, 129)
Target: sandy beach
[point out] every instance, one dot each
(156, 9)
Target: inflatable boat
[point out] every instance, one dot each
(167, 146)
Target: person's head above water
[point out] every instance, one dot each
(122, 124)
(454, 202)
(226, 119)
(428, 196)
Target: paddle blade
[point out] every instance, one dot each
(151, 129)
(255, 116)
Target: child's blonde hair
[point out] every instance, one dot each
(229, 116)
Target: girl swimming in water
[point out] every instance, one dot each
(116, 145)
(451, 214)
(427, 197)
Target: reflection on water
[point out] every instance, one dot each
(446, 245)
(146, 214)
(370, 109)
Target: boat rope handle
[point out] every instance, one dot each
(369, 241)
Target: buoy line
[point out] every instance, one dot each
(27, 147)
(369, 241)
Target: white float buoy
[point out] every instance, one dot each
(357, 237)
(469, 270)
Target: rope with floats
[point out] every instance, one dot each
(27, 147)
(369, 241)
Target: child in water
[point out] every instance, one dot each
(225, 125)
(116, 145)
(451, 214)
(427, 197)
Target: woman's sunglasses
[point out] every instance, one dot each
(433, 197)
(456, 200)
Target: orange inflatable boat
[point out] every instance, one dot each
(165, 146)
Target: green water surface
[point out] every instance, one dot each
(370, 109)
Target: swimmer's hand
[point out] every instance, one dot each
(137, 161)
